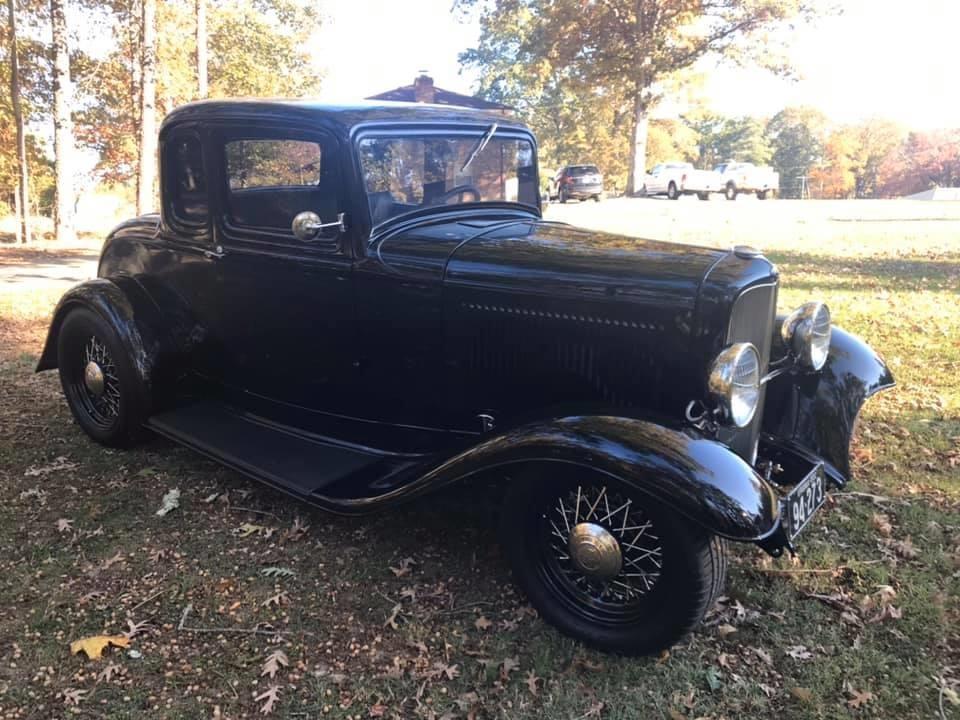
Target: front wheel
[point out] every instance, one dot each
(730, 192)
(762, 194)
(563, 196)
(597, 198)
(672, 192)
(102, 388)
(608, 565)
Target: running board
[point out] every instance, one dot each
(292, 462)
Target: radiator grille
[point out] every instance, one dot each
(751, 320)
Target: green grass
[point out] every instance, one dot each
(118, 560)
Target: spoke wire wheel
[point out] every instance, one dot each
(102, 388)
(95, 385)
(601, 553)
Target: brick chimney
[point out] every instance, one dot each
(423, 90)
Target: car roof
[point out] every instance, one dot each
(346, 116)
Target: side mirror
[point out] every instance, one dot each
(307, 225)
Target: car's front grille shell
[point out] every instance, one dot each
(751, 320)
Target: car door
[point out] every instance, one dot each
(654, 180)
(286, 305)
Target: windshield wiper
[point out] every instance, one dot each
(481, 144)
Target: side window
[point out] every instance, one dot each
(269, 181)
(272, 163)
(187, 181)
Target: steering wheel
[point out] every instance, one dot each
(454, 191)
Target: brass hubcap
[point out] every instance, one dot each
(93, 379)
(594, 551)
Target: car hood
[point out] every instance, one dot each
(555, 260)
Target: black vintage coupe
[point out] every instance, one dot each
(360, 305)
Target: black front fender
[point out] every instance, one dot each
(122, 303)
(699, 478)
(816, 412)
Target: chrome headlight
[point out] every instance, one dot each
(806, 332)
(734, 383)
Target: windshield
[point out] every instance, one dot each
(581, 170)
(409, 172)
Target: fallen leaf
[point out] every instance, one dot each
(507, 666)
(64, 525)
(248, 529)
(170, 502)
(378, 710)
(296, 532)
(269, 699)
(108, 672)
(803, 694)
(482, 623)
(93, 646)
(904, 548)
(274, 662)
(858, 699)
(881, 523)
(725, 629)
(275, 600)
(73, 697)
(763, 655)
(134, 629)
(532, 681)
(405, 567)
(58, 465)
(799, 652)
(211, 497)
(394, 615)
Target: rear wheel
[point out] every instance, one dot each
(104, 392)
(762, 194)
(597, 198)
(730, 192)
(608, 565)
(672, 192)
(563, 196)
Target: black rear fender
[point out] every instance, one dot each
(132, 315)
(817, 412)
(699, 478)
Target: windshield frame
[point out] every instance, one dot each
(473, 131)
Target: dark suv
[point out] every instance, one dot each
(577, 181)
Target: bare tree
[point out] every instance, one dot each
(63, 146)
(23, 197)
(201, 48)
(148, 108)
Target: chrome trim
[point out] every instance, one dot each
(721, 382)
(798, 330)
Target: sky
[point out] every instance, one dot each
(878, 58)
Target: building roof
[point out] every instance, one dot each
(422, 90)
(937, 193)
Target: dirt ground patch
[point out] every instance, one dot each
(412, 614)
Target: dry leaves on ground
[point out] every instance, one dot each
(94, 646)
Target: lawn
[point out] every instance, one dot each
(241, 600)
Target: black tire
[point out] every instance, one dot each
(672, 192)
(762, 194)
(563, 196)
(686, 585)
(703, 196)
(730, 192)
(597, 198)
(115, 416)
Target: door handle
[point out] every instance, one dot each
(217, 252)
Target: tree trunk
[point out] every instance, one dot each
(201, 49)
(23, 226)
(638, 146)
(62, 124)
(148, 110)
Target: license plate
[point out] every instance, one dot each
(804, 501)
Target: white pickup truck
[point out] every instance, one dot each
(674, 179)
(742, 177)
